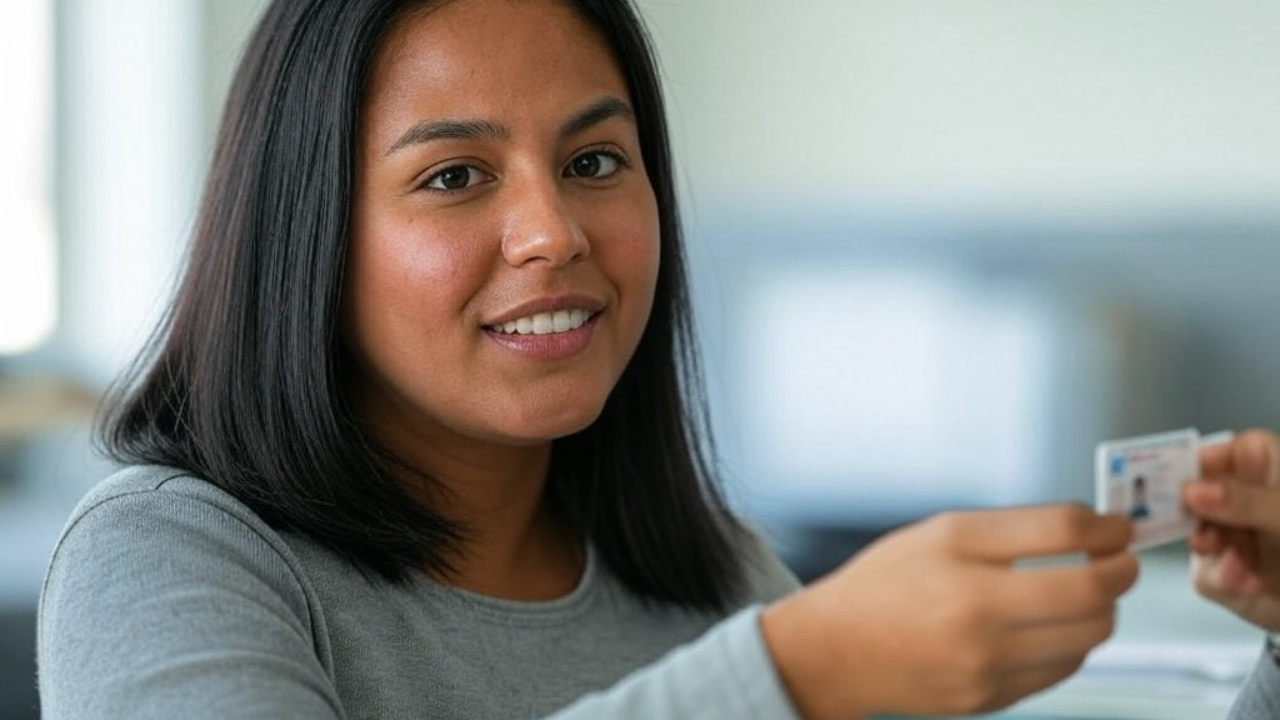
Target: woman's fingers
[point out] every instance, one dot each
(1018, 685)
(942, 618)
(999, 691)
(1059, 594)
(1004, 536)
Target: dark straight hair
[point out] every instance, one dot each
(243, 381)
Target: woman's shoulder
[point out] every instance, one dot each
(159, 484)
(179, 586)
(153, 511)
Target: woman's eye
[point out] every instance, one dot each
(457, 177)
(597, 164)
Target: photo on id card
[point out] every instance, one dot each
(1143, 477)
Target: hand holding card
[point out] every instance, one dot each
(1236, 549)
(948, 618)
(1142, 477)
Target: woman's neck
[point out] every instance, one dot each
(519, 555)
(515, 545)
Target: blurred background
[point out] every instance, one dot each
(940, 250)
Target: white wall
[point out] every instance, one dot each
(1050, 106)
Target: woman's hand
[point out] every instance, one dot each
(1236, 548)
(936, 619)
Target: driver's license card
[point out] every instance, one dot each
(1142, 477)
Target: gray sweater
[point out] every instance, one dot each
(167, 598)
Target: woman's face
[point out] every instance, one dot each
(504, 249)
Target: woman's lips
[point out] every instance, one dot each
(556, 335)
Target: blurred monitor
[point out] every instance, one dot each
(860, 392)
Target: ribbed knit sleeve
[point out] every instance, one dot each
(725, 675)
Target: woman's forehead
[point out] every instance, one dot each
(473, 40)
(500, 60)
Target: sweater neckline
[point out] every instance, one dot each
(522, 612)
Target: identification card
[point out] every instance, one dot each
(1142, 477)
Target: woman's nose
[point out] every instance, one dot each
(541, 229)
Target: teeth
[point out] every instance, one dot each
(545, 323)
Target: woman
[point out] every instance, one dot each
(416, 438)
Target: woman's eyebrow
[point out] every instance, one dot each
(450, 130)
(594, 114)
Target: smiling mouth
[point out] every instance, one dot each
(545, 323)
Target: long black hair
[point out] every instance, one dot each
(243, 381)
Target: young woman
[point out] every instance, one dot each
(419, 437)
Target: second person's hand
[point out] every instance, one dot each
(1236, 549)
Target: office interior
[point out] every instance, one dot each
(940, 250)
